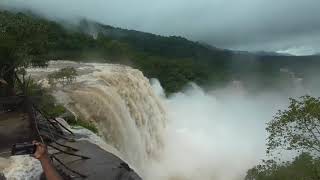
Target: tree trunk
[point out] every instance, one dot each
(9, 78)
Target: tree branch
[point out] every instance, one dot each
(312, 133)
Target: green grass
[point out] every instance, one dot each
(85, 124)
(53, 110)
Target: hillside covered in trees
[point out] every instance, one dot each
(175, 61)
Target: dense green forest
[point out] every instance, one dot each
(175, 61)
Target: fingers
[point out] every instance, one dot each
(41, 150)
(34, 142)
(38, 144)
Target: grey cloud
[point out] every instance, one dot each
(270, 25)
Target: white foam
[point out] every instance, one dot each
(23, 168)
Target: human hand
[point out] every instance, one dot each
(41, 151)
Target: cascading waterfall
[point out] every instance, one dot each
(122, 104)
(211, 135)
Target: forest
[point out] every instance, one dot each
(175, 61)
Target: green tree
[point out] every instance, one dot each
(23, 42)
(65, 76)
(297, 128)
(303, 167)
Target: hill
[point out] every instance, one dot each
(174, 60)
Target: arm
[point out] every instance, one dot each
(42, 155)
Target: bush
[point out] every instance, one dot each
(48, 105)
(84, 124)
(303, 167)
(64, 76)
(297, 129)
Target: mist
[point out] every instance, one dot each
(287, 26)
(218, 134)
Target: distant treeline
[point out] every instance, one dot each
(175, 61)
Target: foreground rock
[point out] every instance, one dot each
(101, 165)
(18, 125)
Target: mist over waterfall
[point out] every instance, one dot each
(214, 135)
(189, 135)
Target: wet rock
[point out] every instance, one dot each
(101, 165)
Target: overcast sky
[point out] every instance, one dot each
(289, 26)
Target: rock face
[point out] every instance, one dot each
(15, 127)
(101, 165)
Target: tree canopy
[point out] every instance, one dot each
(65, 76)
(303, 167)
(23, 43)
(297, 128)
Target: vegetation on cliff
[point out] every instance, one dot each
(64, 76)
(51, 109)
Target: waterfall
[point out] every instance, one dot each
(122, 104)
(217, 134)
